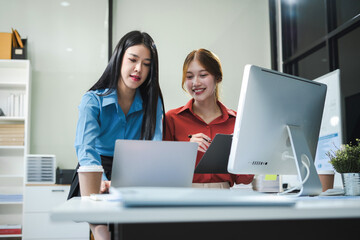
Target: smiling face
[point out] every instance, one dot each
(135, 67)
(199, 82)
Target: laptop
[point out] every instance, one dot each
(215, 159)
(143, 163)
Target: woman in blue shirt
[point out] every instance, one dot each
(125, 103)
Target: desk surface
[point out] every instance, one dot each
(85, 209)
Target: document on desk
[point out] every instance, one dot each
(165, 196)
(106, 197)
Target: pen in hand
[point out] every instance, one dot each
(190, 136)
(203, 140)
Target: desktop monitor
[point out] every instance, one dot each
(277, 127)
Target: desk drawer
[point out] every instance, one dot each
(44, 198)
(40, 226)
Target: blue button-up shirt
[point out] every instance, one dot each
(102, 121)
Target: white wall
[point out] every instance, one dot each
(235, 30)
(67, 48)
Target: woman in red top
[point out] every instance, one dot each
(204, 115)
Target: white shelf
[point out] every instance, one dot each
(14, 63)
(11, 203)
(14, 80)
(10, 235)
(13, 85)
(12, 119)
(12, 147)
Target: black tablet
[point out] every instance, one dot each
(215, 159)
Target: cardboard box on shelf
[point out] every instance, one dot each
(5, 45)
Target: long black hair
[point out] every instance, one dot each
(150, 89)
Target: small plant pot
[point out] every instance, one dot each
(351, 183)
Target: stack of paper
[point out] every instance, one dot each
(267, 183)
(12, 134)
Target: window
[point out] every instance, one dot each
(306, 22)
(349, 58)
(314, 65)
(319, 37)
(346, 10)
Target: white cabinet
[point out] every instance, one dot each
(14, 136)
(38, 202)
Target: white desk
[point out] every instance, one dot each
(315, 217)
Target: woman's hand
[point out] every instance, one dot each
(105, 185)
(203, 141)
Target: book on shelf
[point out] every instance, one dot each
(21, 105)
(12, 126)
(11, 138)
(11, 198)
(11, 143)
(16, 105)
(12, 134)
(8, 229)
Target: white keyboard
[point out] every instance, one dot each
(164, 196)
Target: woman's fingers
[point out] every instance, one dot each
(203, 141)
(104, 187)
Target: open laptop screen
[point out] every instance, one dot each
(142, 163)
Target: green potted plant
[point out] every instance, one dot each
(346, 161)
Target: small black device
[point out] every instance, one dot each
(64, 176)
